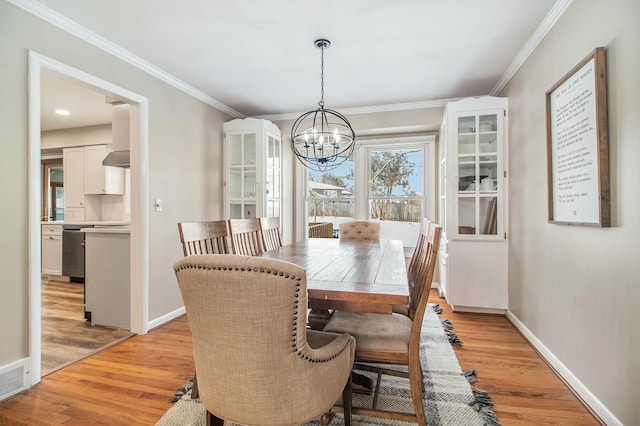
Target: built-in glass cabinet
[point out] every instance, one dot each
(478, 173)
(473, 200)
(253, 166)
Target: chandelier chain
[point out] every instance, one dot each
(321, 103)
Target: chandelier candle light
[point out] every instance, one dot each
(322, 139)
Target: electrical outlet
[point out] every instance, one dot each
(158, 205)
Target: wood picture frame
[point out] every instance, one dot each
(578, 145)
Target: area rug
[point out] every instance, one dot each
(449, 399)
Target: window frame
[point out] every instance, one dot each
(362, 170)
(402, 144)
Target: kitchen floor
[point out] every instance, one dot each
(66, 336)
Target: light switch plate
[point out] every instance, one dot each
(158, 205)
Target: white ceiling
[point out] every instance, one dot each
(257, 57)
(86, 107)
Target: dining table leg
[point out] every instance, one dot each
(318, 318)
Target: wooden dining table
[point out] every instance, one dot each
(359, 276)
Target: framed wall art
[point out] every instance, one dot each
(578, 145)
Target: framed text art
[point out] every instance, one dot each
(578, 145)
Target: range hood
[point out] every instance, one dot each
(117, 159)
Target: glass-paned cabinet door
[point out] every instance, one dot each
(478, 174)
(242, 174)
(273, 176)
(253, 177)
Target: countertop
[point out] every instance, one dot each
(94, 223)
(126, 229)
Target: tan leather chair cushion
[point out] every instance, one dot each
(373, 332)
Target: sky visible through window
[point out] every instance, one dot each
(344, 172)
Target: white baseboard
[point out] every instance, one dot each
(477, 310)
(570, 379)
(166, 318)
(15, 377)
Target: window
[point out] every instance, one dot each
(396, 184)
(330, 195)
(391, 181)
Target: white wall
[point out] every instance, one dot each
(185, 169)
(577, 289)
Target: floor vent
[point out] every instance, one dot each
(14, 378)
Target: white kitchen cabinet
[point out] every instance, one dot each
(52, 249)
(74, 214)
(84, 175)
(253, 168)
(473, 250)
(73, 172)
(99, 179)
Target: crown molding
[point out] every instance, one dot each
(66, 24)
(549, 21)
(438, 103)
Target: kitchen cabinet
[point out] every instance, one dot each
(85, 175)
(52, 249)
(99, 179)
(473, 179)
(253, 168)
(73, 177)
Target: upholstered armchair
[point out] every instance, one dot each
(360, 230)
(256, 362)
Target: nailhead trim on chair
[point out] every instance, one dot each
(296, 306)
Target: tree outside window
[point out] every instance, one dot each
(396, 185)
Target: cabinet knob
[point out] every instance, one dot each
(52, 238)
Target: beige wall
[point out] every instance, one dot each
(185, 168)
(577, 289)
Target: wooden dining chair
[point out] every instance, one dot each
(255, 366)
(360, 230)
(395, 338)
(211, 237)
(271, 236)
(246, 237)
(415, 268)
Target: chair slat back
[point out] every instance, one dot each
(422, 265)
(211, 237)
(246, 237)
(270, 228)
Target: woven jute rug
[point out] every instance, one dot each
(449, 398)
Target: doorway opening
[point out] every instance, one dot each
(52, 190)
(39, 209)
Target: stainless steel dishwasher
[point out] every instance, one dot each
(73, 252)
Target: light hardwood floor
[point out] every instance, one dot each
(131, 382)
(66, 336)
